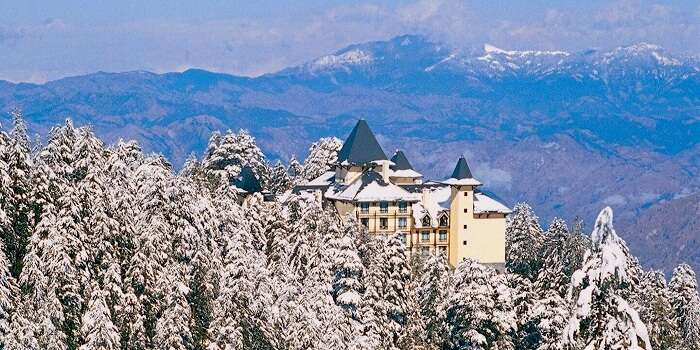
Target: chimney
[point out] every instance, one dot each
(385, 170)
(426, 196)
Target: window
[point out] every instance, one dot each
(425, 250)
(402, 222)
(443, 250)
(383, 207)
(466, 194)
(403, 207)
(402, 237)
(443, 221)
(364, 207)
(425, 236)
(465, 227)
(383, 223)
(465, 210)
(443, 235)
(464, 242)
(426, 221)
(365, 222)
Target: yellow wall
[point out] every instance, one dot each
(485, 237)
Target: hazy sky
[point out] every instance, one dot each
(45, 40)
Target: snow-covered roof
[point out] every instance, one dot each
(484, 204)
(462, 182)
(410, 173)
(368, 188)
(325, 179)
(435, 204)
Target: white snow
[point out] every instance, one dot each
(462, 182)
(486, 204)
(352, 57)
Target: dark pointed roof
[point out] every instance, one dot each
(400, 161)
(247, 181)
(361, 147)
(462, 170)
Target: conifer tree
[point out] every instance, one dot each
(686, 305)
(524, 240)
(387, 287)
(98, 330)
(19, 169)
(322, 154)
(602, 316)
(9, 294)
(280, 181)
(227, 154)
(480, 311)
(173, 326)
(432, 292)
(654, 300)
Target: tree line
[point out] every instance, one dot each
(108, 247)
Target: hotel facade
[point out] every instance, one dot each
(388, 196)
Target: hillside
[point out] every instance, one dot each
(567, 132)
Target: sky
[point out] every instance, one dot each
(48, 40)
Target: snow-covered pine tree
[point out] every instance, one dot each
(524, 241)
(686, 305)
(19, 169)
(98, 330)
(433, 291)
(654, 303)
(243, 297)
(602, 316)
(322, 153)
(38, 322)
(347, 271)
(131, 322)
(9, 294)
(153, 245)
(280, 181)
(387, 286)
(173, 328)
(480, 313)
(227, 154)
(552, 275)
(295, 171)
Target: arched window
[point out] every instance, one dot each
(444, 222)
(426, 221)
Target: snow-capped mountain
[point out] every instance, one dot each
(568, 132)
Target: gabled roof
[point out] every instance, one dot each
(400, 161)
(361, 147)
(370, 187)
(246, 181)
(462, 170)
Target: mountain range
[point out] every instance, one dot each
(568, 132)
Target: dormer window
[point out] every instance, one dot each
(403, 207)
(426, 221)
(444, 222)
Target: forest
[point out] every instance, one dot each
(108, 247)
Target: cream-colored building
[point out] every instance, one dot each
(388, 196)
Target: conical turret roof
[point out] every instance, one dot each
(400, 161)
(462, 170)
(361, 147)
(462, 175)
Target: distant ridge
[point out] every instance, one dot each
(569, 134)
